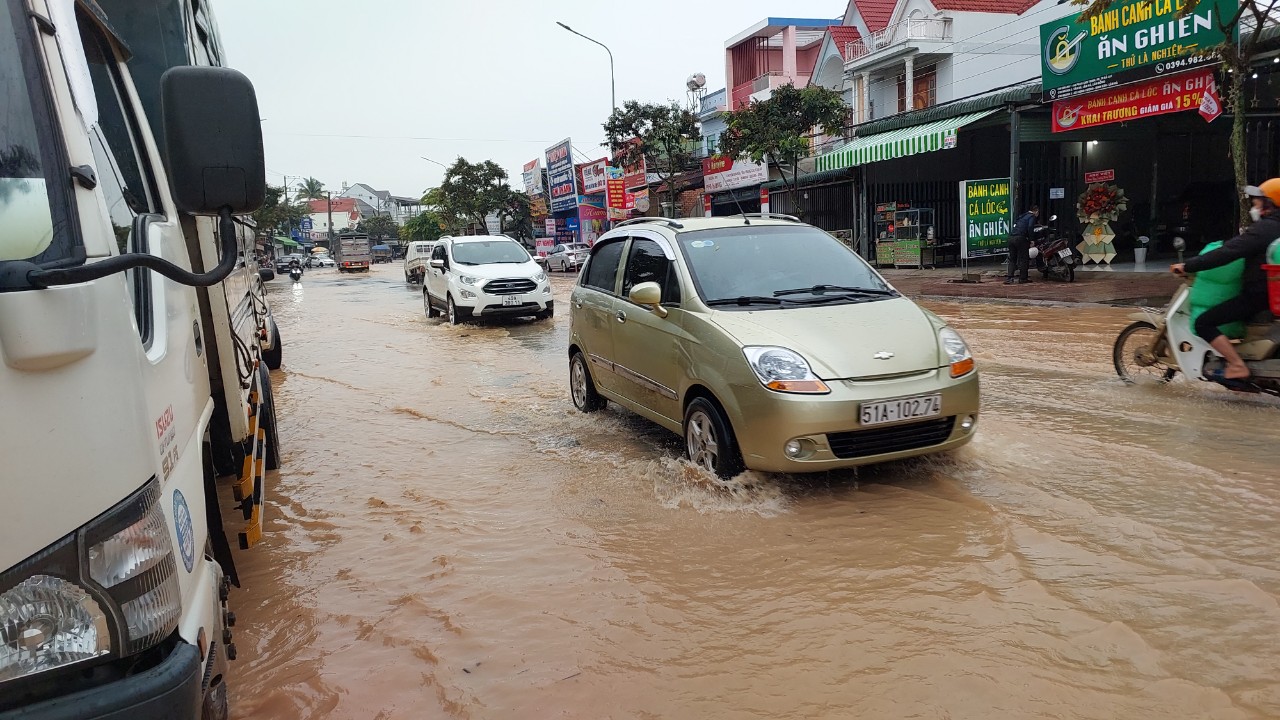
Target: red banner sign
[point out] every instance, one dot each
(1100, 176)
(1175, 93)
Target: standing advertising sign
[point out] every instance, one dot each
(532, 177)
(561, 176)
(591, 220)
(1132, 41)
(764, 200)
(985, 218)
(615, 196)
(595, 177)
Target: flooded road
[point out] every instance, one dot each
(450, 538)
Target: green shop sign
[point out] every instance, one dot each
(1133, 40)
(985, 218)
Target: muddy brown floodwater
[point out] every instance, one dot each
(450, 538)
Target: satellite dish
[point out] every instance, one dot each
(696, 81)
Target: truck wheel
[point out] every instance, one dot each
(275, 356)
(269, 423)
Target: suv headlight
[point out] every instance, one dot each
(52, 614)
(957, 351)
(468, 280)
(783, 370)
(540, 277)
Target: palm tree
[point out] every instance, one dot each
(311, 189)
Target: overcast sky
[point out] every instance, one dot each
(358, 91)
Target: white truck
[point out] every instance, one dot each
(135, 342)
(353, 253)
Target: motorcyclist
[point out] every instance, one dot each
(1251, 245)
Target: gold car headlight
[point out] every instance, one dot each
(783, 370)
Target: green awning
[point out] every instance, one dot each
(287, 242)
(911, 140)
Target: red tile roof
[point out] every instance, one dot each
(876, 13)
(339, 205)
(843, 34)
(1004, 7)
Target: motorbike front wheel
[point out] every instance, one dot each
(1136, 354)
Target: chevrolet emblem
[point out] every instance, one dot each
(883, 355)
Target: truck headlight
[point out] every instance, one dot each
(109, 588)
(958, 355)
(47, 622)
(783, 370)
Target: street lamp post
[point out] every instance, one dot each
(613, 95)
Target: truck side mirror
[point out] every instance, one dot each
(213, 140)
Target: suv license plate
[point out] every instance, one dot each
(512, 300)
(910, 408)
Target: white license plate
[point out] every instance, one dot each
(910, 408)
(1064, 252)
(512, 300)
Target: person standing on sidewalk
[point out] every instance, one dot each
(1020, 246)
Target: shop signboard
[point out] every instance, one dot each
(561, 175)
(641, 200)
(1132, 41)
(1099, 176)
(306, 224)
(634, 176)
(591, 220)
(550, 226)
(1163, 95)
(721, 172)
(1057, 193)
(764, 200)
(594, 177)
(532, 177)
(538, 206)
(907, 252)
(985, 218)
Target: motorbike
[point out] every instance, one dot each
(1053, 254)
(1160, 344)
(295, 274)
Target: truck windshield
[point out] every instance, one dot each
(30, 198)
(488, 252)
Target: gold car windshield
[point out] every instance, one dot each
(777, 266)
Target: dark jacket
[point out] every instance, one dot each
(1251, 245)
(1025, 226)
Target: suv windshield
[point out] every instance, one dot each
(28, 195)
(777, 266)
(488, 252)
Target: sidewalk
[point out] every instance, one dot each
(1114, 287)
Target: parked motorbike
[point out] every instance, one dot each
(1161, 344)
(1053, 255)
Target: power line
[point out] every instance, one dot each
(406, 137)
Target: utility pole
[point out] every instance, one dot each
(328, 196)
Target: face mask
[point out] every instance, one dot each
(1255, 214)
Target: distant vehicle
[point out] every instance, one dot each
(283, 262)
(321, 261)
(381, 253)
(353, 253)
(569, 256)
(417, 256)
(485, 276)
(770, 346)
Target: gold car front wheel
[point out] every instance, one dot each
(583, 390)
(709, 440)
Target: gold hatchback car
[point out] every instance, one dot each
(768, 344)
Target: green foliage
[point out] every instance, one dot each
(311, 189)
(665, 136)
(380, 227)
(472, 191)
(515, 216)
(277, 215)
(425, 227)
(778, 130)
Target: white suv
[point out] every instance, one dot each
(485, 276)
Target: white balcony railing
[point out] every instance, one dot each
(936, 29)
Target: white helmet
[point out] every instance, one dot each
(1033, 253)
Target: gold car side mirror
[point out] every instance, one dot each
(648, 295)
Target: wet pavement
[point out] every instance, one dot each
(450, 538)
(1093, 285)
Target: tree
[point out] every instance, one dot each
(1236, 56)
(311, 189)
(664, 136)
(381, 227)
(277, 215)
(434, 201)
(424, 227)
(471, 191)
(515, 216)
(778, 131)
